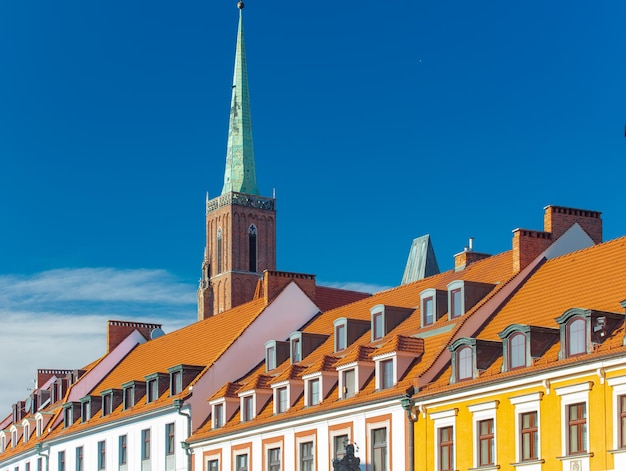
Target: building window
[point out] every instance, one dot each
(212, 465)
(576, 338)
(61, 457)
(306, 456)
(252, 245)
(248, 410)
(529, 440)
(129, 397)
(386, 371)
(176, 385)
(26, 432)
(39, 426)
(282, 404)
(40, 464)
(456, 303)
(79, 459)
(170, 439)
(86, 410)
(27, 467)
(485, 442)
(577, 428)
(107, 404)
(270, 357)
(349, 385)
(102, 455)
(379, 449)
(464, 363)
(241, 462)
(428, 311)
(218, 416)
(340, 337)
(145, 444)
(517, 351)
(378, 331)
(123, 451)
(273, 459)
(219, 250)
(152, 390)
(445, 439)
(314, 392)
(339, 446)
(296, 353)
(622, 421)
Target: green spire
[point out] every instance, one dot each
(240, 175)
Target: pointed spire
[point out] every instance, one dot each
(240, 174)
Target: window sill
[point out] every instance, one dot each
(529, 462)
(619, 450)
(485, 468)
(576, 456)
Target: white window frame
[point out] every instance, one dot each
(347, 431)
(379, 369)
(308, 402)
(242, 399)
(214, 457)
(306, 439)
(572, 395)
(343, 341)
(446, 418)
(452, 286)
(369, 428)
(267, 446)
(524, 404)
(480, 412)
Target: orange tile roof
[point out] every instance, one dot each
(402, 343)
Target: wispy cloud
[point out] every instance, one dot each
(57, 318)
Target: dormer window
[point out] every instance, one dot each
(26, 427)
(433, 304)
(385, 318)
(463, 295)
(90, 405)
(111, 398)
(340, 337)
(471, 356)
(3, 442)
(218, 415)
(348, 331)
(296, 350)
(522, 343)
(247, 408)
(156, 385)
(71, 411)
(181, 376)
(13, 436)
(386, 370)
(282, 402)
(582, 328)
(39, 426)
(276, 352)
(133, 391)
(517, 351)
(348, 383)
(313, 392)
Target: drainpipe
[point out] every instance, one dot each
(178, 405)
(39, 450)
(411, 414)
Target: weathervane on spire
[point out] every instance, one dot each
(240, 5)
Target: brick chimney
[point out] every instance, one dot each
(558, 219)
(117, 331)
(528, 244)
(274, 281)
(463, 259)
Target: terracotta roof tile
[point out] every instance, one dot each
(291, 372)
(401, 343)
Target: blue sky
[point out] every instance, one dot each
(375, 121)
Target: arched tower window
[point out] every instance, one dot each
(252, 247)
(219, 250)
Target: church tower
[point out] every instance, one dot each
(240, 224)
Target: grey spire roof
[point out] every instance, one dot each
(240, 174)
(422, 262)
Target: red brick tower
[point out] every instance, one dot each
(240, 224)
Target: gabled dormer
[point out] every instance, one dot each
(3, 441)
(181, 376)
(28, 427)
(90, 406)
(385, 318)
(276, 352)
(463, 295)
(224, 404)
(581, 329)
(354, 369)
(43, 398)
(347, 331)
(521, 344)
(42, 419)
(287, 388)
(471, 356)
(254, 397)
(71, 413)
(156, 385)
(32, 403)
(319, 379)
(16, 434)
(302, 344)
(58, 389)
(394, 358)
(134, 391)
(433, 305)
(111, 399)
